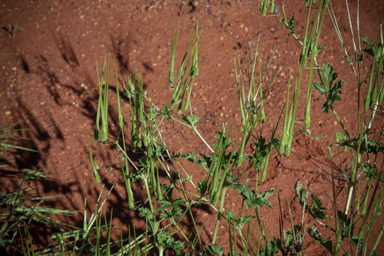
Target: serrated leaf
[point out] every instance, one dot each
(175, 212)
(166, 112)
(165, 240)
(191, 157)
(218, 137)
(320, 87)
(238, 222)
(252, 199)
(340, 136)
(312, 231)
(193, 120)
(270, 250)
(150, 218)
(214, 249)
(302, 197)
(375, 50)
(317, 209)
(289, 23)
(326, 86)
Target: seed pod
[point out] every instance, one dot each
(131, 86)
(337, 137)
(272, 8)
(170, 83)
(263, 175)
(381, 93)
(364, 208)
(262, 116)
(329, 150)
(261, 6)
(379, 210)
(357, 204)
(264, 12)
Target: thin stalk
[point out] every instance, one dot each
(196, 131)
(285, 135)
(229, 233)
(377, 239)
(194, 224)
(247, 242)
(120, 116)
(148, 193)
(313, 47)
(373, 217)
(260, 225)
(127, 179)
(353, 178)
(357, 158)
(219, 214)
(174, 44)
(184, 236)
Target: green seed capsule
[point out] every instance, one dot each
(127, 93)
(381, 93)
(170, 78)
(364, 209)
(272, 8)
(358, 204)
(215, 197)
(367, 102)
(329, 150)
(261, 6)
(264, 12)
(379, 210)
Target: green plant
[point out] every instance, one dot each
(165, 212)
(353, 223)
(170, 202)
(167, 203)
(13, 29)
(20, 208)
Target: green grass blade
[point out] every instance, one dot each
(104, 105)
(174, 44)
(93, 162)
(120, 116)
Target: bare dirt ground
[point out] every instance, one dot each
(48, 81)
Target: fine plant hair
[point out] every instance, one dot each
(228, 166)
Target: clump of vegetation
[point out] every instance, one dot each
(12, 29)
(167, 203)
(20, 208)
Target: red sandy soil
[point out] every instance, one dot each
(48, 81)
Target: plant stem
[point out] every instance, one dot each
(378, 239)
(261, 227)
(197, 132)
(219, 214)
(148, 193)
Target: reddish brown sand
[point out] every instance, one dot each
(48, 81)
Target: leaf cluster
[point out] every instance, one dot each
(327, 77)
